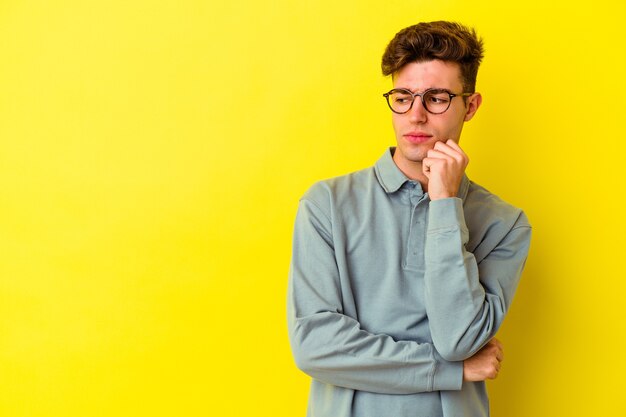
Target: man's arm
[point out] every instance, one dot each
(331, 346)
(466, 298)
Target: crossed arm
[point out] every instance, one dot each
(333, 348)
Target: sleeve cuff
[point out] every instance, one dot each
(446, 214)
(448, 375)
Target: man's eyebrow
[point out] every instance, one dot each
(426, 89)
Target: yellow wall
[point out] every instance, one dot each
(152, 154)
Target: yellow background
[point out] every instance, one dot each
(152, 154)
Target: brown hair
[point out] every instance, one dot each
(447, 41)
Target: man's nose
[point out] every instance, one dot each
(418, 114)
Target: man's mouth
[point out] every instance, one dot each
(417, 137)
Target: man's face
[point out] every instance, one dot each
(418, 130)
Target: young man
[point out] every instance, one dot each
(402, 273)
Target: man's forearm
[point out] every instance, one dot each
(331, 348)
(466, 298)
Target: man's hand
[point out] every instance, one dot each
(444, 166)
(485, 364)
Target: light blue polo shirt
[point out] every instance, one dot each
(389, 292)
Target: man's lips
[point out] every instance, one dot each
(417, 137)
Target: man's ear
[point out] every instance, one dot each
(473, 103)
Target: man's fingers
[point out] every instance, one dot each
(453, 145)
(442, 147)
(497, 343)
(426, 164)
(438, 154)
(448, 165)
(499, 349)
(453, 150)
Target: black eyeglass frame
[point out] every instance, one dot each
(421, 96)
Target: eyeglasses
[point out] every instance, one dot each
(435, 100)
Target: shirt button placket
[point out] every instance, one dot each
(415, 252)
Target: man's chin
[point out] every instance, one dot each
(417, 155)
(411, 156)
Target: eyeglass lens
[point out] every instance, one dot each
(435, 101)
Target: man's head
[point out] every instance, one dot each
(427, 41)
(433, 68)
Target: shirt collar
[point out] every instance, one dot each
(391, 178)
(389, 175)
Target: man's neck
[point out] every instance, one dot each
(413, 171)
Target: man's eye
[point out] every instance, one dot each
(402, 99)
(438, 99)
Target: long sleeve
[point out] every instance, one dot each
(469, 293)
(332, 347)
